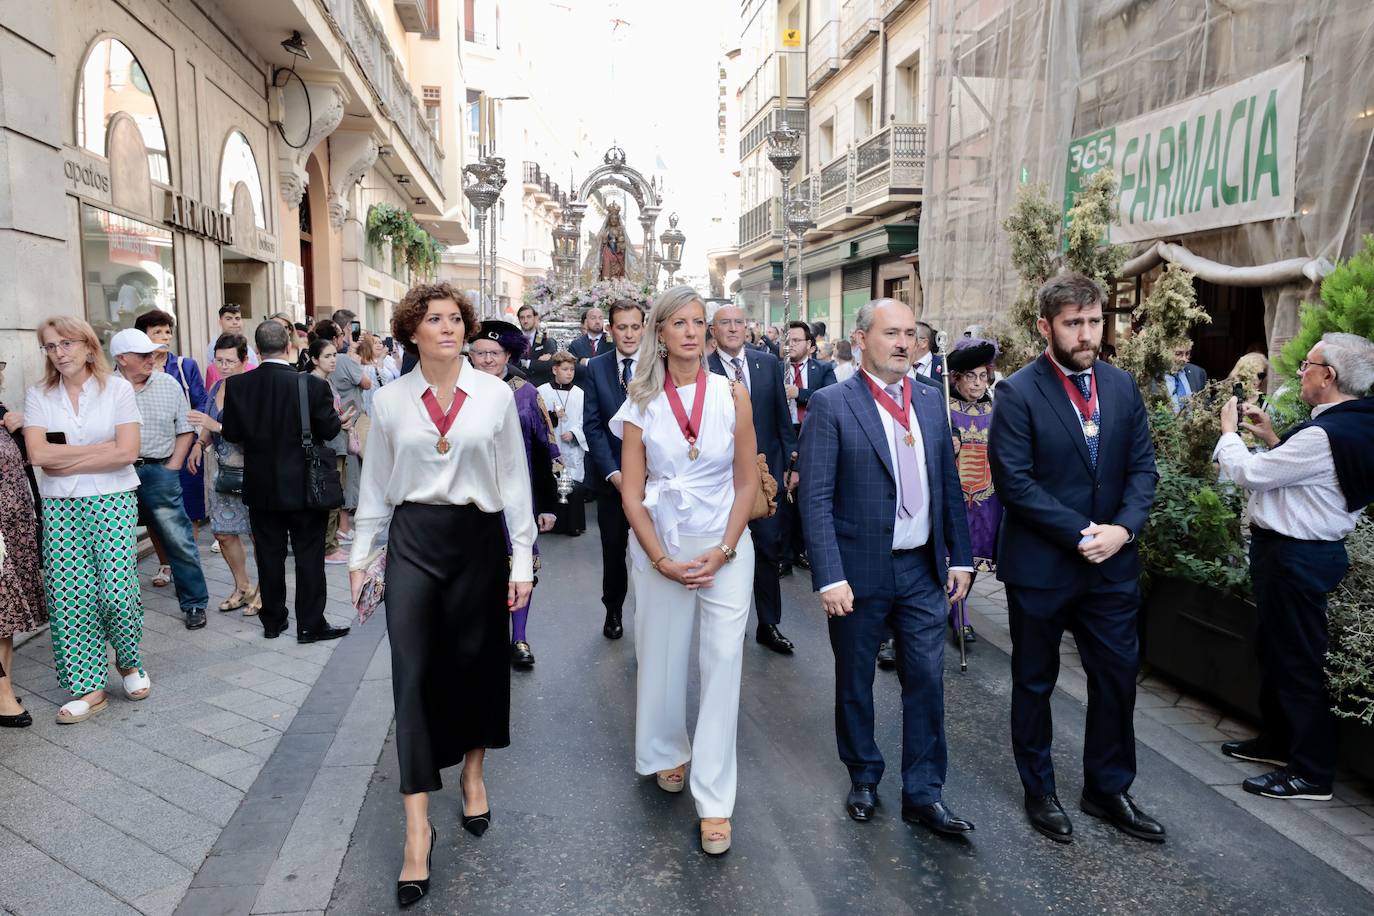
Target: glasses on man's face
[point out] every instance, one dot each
(1302, 366)
(64, 345)
(485, 354)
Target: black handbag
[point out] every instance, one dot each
(323, 488)
(229, 479)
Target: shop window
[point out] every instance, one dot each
(127, 268)
(112, 80)
(239, 165)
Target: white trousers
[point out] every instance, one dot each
(664, 615)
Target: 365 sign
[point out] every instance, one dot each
(1220, 159)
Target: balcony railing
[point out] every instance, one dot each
(371, 48)
(760, 223)
(859, 23)
(889, 9)
(834, 186)
(532, 175)
(823, 51)
(758, 134)
(886, 168)
(761, 89)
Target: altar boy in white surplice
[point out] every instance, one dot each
(564, 400)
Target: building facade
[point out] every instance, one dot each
(154, 158)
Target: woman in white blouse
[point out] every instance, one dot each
(564, 401)
(445, 462)
(81, 428)
(689, 477)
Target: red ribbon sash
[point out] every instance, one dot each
(443, 421)
(1087, 408)
(690, 428)
(901, 414)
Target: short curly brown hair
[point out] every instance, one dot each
(413, 308)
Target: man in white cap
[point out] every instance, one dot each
(165, 439)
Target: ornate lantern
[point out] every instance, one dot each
(672, 239)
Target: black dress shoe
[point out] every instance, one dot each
(801, 561)
(271, 632)
(887, 654)
(1121, 811)
(1283, 784)
(1048, 816)
(195, 618)
(936, 817)
(1256, 750)
(769, 637)
(22, 720)
(320, 635)
(862, 799)
(409, 892)
(520, 655)
(612, 629)
(784, 570)
(478, 823)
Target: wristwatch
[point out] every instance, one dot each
(730, 552)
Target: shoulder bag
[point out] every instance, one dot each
(323, 489)
(766, 497)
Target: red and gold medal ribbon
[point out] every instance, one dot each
(690, 428)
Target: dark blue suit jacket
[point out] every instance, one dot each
(581, 347)
(1047, 484)
(777, 440)
(601, 382)
(849, 488)
(819, 374)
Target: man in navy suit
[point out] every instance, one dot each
(1074, 467)
(883, 509)
(605, 381)
(802, 374)
(777, 441)
(927, 363)
(592, 341)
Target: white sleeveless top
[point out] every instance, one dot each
(685, 497)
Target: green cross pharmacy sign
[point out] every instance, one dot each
(1220, 159)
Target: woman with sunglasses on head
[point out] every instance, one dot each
(81, 427)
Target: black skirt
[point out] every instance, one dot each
(446, 616)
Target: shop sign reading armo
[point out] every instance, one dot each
(198, 219)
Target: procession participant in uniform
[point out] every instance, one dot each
(447, 475)
(883, 511)
(537, 360)
(971, 369)
(564, 401)
(496, 344)
(605, 380)
(777, 442)
(1074, 468)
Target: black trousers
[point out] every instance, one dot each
(615, 540)
(767, 537)
(791, 540)
(1101, 616)
(305, 528)
(1292, 579)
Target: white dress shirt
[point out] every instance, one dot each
(485, 465)
(1293, 488)
(92, 421)
(923, 365)
(910, 532)
(789, 370)
(742, 356)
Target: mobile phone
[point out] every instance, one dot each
(57, 438)
(1238, 391)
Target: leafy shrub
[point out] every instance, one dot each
(1194, 531)
(1350, 661)
(1347, 304)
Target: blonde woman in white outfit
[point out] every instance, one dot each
(689, 476)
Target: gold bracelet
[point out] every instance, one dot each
(658, 561)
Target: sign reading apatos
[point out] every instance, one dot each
(199, 219)
(1220, 159)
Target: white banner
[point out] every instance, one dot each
(1220, 159)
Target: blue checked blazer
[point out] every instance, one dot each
(848, 493)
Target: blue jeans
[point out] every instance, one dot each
(160, 508)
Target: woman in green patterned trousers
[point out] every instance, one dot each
(81, 427)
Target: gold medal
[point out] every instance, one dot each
(441, 446)
(1090, 429)
(909, 439)
(693, 453)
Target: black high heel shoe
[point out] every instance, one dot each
(477, 824)
(409, 892)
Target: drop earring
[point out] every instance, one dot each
(662, 350)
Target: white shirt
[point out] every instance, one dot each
(923, 365)
(844, 370)
(568, 407)
(728, 362)
(910, 532)
(789, 373)
(91, 422)
(685, 498)
(485, 465)
(1293, 489)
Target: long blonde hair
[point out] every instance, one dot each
(653, 368)
(69, 327)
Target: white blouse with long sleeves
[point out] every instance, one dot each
(685, 498)
(567, 405)
(485, 465)
(91, 421)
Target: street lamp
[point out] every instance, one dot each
(784, 151)
(565, 246)
(495, 177)
(673, 239)
(482, 183)
(798, 219)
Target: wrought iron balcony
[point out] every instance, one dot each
(834, 186)
(859, 23)
(758, 134)
(761, 225)
(889, 170)
(823, 51)
(532, 176)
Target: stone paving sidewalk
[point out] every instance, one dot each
(116, 815)
(1190, 732)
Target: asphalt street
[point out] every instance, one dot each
(576, 831)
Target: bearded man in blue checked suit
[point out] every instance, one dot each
(883, 513)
